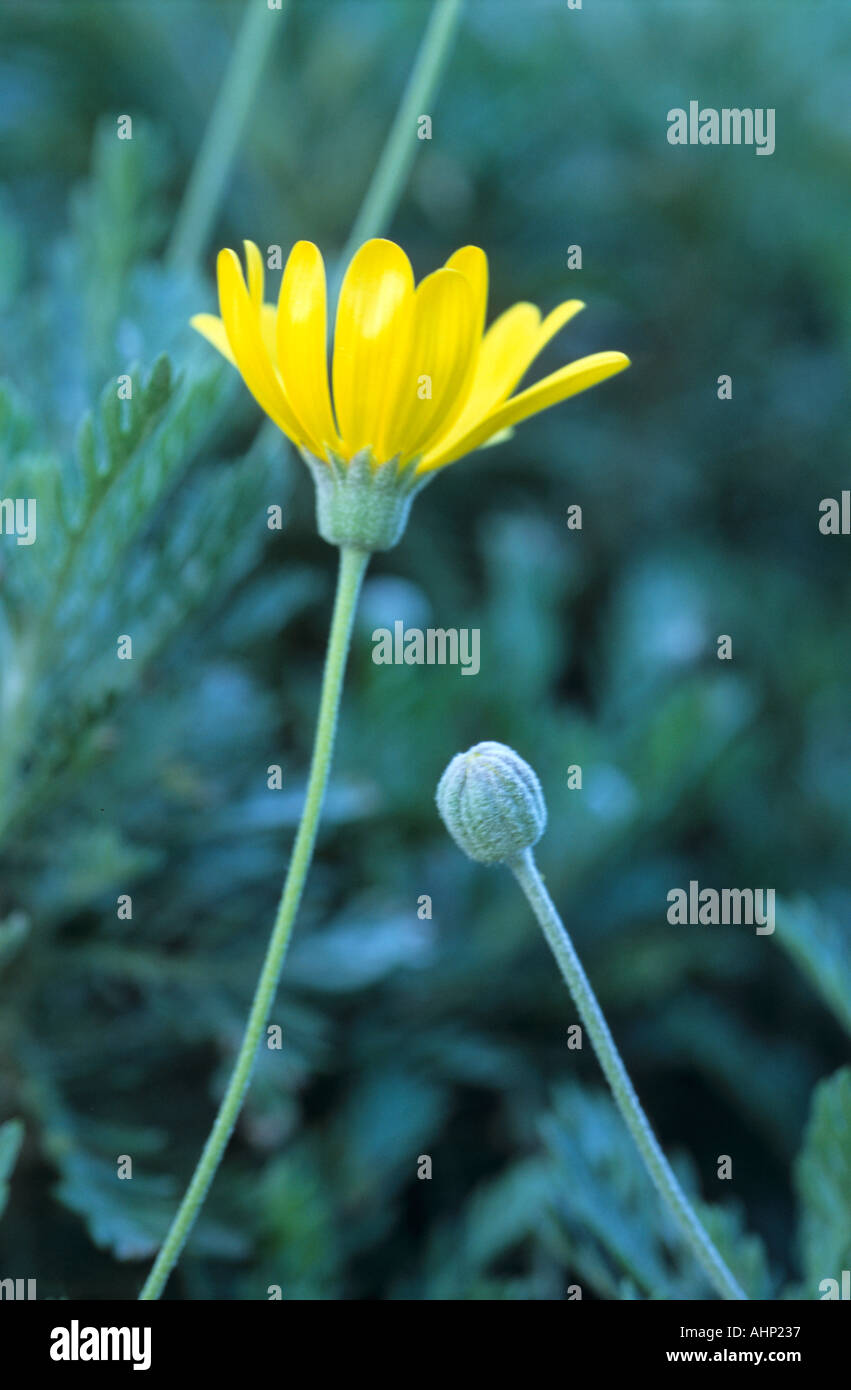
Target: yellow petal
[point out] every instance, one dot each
(265, 312)
(555, 321)
(510, 347)
(256, 272)
(302, 342)
(242, 321)
(438, 366)
(568, 381)
(507, 349)
(269, 334)
(371, 330)
(472, 262)
(214, 331)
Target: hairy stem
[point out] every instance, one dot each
(353, 565)
(528, 876)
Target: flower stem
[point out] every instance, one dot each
(224, 129)
(388, 180)
(528, 876)
(353, 563)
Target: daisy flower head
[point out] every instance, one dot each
(416, 380)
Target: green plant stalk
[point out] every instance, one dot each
(353, 564)
(223, 133)
(526, 872)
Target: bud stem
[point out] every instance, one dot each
(353, 565)
(526, 872)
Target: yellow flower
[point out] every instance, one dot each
(417, 382)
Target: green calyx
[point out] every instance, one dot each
(361, 503)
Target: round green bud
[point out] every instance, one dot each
(491, 803)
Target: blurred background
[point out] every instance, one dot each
(443, 1036)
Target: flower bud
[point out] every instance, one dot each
(491, 803)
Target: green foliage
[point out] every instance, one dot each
(442, 1036)
(602, 1195)
(823, 1181)
(817, 943)
(127, 1215)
